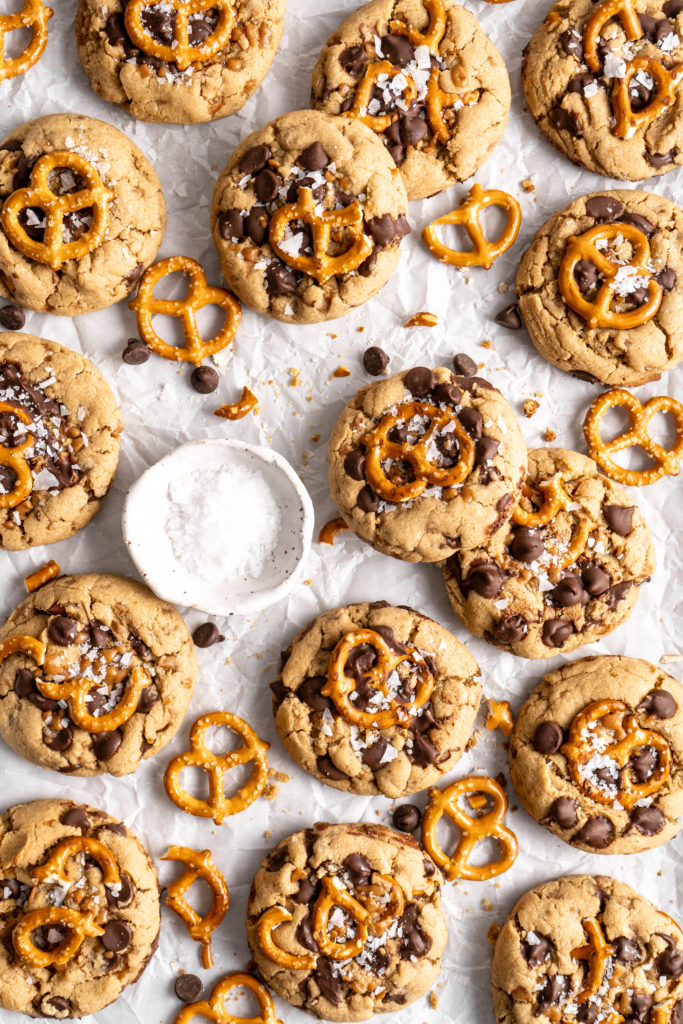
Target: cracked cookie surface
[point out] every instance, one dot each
(78, 428)
(404, 757)
(100, 628)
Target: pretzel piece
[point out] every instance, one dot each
(639, 415)
(331, 530)
(37, 579)
(75, 692)
(468, 215)
(218, 806)
(198, 865)
(597, 953)
(335, 895)
(472, 830)
(581, 747)
(597, 312)
(625, 11)
(181, 51)
(21, 644)
(435, 31)
(438, 100)
(267, 923)
(79, 926)
(340, 685)
(215, 1009)
(499, 717)
(321, 265)
(384, 901)
(199, 295)
(238, 410)
(15, 459)
(34, 15)
(628, 120)
(379, 122)
(54, 868)
(556, 498)
(53, 251)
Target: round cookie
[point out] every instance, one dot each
(580, 758)
(77, 434)
(126, 201)
(618, 357)
(475, 429)
(423, 76)
(110, 631)
(392, 968)
(576, 85)
(411, 748)
(307, 175)
(127, 913)
(217, 81)
(550, 959)
(540, 588)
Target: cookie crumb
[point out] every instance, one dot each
(433, 1000)
(550, 435)
(531, 407)
(487, 905)
(503, 287)
(493, 933)
(294, 376)
(528, 185)
(671, 659)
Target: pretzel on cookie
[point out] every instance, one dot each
(54, 868)
(625, 11)
(199, 295)
(198, 865)
(384, 901)
(379, 122)
(78, 926)
(556, 498)
(35, 16)
(21, 644)
(597, 953)
(181, 51)
(434, 32)
(267, 923)
(215, 1009)
(15, 459)
(437, 100)
(76, 691)
(665, 459)
(468, 215)
(335, 895)
(629, 120)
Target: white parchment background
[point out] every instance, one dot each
(161, 411)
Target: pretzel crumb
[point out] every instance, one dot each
(550, 435)
(41, 576)
(341, 371)
(422, 320)
(486, 344)
(528, 185)
(294, 376)
(531, 407)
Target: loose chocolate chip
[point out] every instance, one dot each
(419, 381)
(569, 592)
(447, 394)
(486, 579)
(526, 545)
(76, 817)
(473, 422)
(256, 224)
(648, 820)
(117, 936)
(328, 983)
(136, 352)
(280, 280)
(659, 704)
(509, 317)
(406, 818)
(669, 964)
(63, 630)
(579, 82)
(626, 951)
(372, 755)
(597, 833)
(537, 952)
(604, 207)
(511, 629)
(548, 738)
(314, 158)
(354, 464)
(327, 768)
(566, 121)
(398, 50)
(255, 159)
(352, 60)
(231, 225)
(556, 632)
(204, 379)
(642, 764)
(375, 360)
(666, 279)
(188, 988)
(61, 740)
(464, 365)
(367, 500)
(658, 160)
(595, 580)
(12, 318)
(105, 744)
(207, 635)
(586, 275)
(619, 518)
(267, 185)
(563, 811)
(642, 223)
(572, 44)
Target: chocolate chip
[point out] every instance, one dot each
(105, 744)
(569, 592)
(140, 648)
(619, 518)
(367, 500)
(642, 764)
(509, 317)
(604, 207)
(309, 692)
(526, 545)
(587, 1013)
(641, 1002)
(24, 683)
(535, 953)
(398, 50)
(76, 817)
(659, 704)
(188, 988)
(597, 833)
(637, 221)
(595, 580)
(563, 811)
(586, 275)
(231, 226)
(256, 224)
(267, 185)
(572, 44)
(566, 121)
(666, 279)
(413, 129)
(415, 942)
(464, 365)
(447, 394)
(353, 59)
(358, 868)
(328, 983)
(658, 160)
(626, 951)
(372, 755)
(204, 379)
(57, 1003)
(618, 593)
(63, 630)
(280, 280)
(12, 318)
(556, 632)
(60, 740)
(553, 990)
(314, 158)
(255, 159)
(115, 30)
(648, 25)
(125, 894)
(486, 579)
(147, 700)
(383, 230)
(375, 360)
(548, 738)
(354, 464)
(669, 964)
(99, 636)
(672, 8)
(510, 630)
(473, 422)
(207, 635)
(406, 818)
(423, 753)
(117, 936)
(327, 768)
(648, 820)
(305, 892)
(579, 82)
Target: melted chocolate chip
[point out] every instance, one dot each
(587, 1013)
(597, 832)
(419, 381)
(572, 44)
(305, 892)
(280, 280)
(314, 158)
(569, 592)
(231, 225)
(327, 768)
(358, 868)
(526, 545)
(57, 1003)
(641, 1002)
(554, 989)
(423, 753)
(99, 635)
(207, 635)
(383, 230)
(548, 738)
(640, 222)
(60, 740)
(666, 279)
(626, 951)
(188, 988)
(13, 887)
(586, 275)
(618, 593)
(398, 50)
(464, 365)
(659, 704)
(328, 983)
(648, 820)
(255, 159)
(604, 207)
(406, 818)
(509, 317)
(124, 896)
(105, 744)
(486, 579)
(367, 500)
(372, 755)
(669, 964)
(566, 121)
(353, 59)
(147, 700)
(415, 942)
(556, 632)
(619, 518)
(447, 394)
(510, 630)
(595, 580)
(204, 380)
(672, 8)
(117, 936)
(256, 224)
(309, 692)
(375, 360)
(76, 817)
(267, 185)
(535, 953)
(473, 422)
(579, 82)
(563, 812)
(658, 160)
(354, 464)
(63, 630)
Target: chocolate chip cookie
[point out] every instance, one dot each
(603, 83)
(564, 572)
(624, 248)
(96, 674)
(427, 462)
(595, 754)
(376, 700)
(425, 78)
(79, 907)
(61, 429)
(88, 248)
(587, 949)
(345, 921)
(308, 217)
(136, 55)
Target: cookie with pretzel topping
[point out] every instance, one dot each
(82, 215)
(427, 462)
(601, 287)
(79, 909)
(159, 64)
(566, 569)
(96, 674)
(604, 83)
(346, 921)
(374, 699)
(424, 77)
(596, 751)
(308, 217)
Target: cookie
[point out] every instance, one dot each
(131, 57)
(61, 860)
(427, 462)
(584, 948)
(586, 242)
(383, 891)
(388, 719)
(425, 78)
(602, 83)
(112, 215)
(567, 569)
(308, 217)
(72, 459)
(114, 650)
(596, 751)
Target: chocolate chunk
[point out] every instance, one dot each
(563, 811)
(415, 942)
(57, 1003)
(464, 365)
(485, 450)
(204, 379)
(383, 230)
(511, 629)
(566, 121)
(604, 207)
(669, 964)
(99, 635)
(595, 580)
(309, 692)
(279, 691)
(328, 983)
(552, 992)
(618, 593)
(658, 704)
(353, 59)
(147, 700)
(548, 737)
(105, 744)
(509, 317)
(648, 820)
(406, 818)
(188, 988)
(115, 30)
(358, 868)
(231, 226)
(267, 185)
(648, 25)
(117, 936)
(375, 360)
(569, 592)
(572, 44)
(579, 82)
(60, 740)
(423, 752)
(666, 279)
(24, 683)
(354, 464)
(619, 518)
(658, 160)
(372, 755)
(587, 1013)
(473, 422)
(314, 158)
(413, 129)
(367, 500)
(641, 1003)
(255, 159)
(486, 579)
(280, 280)
(256, 224)
(597, 833)
(12, 318)
(207, 635)
(536, 953)
(140, 648)
(76, 817)
(63, 630)
(305, 892)
(327, 768)
(637, 221)
(586, 275)
(626, 951)
(556, 632)
(526, 545)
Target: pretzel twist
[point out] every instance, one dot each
(597, 953)
(438, 100)
(597, 312)
(334, 895)
(198, 865)
(580, 748)
(218, 806)
(15, 459)
(379, 122)
(434, 32)
(321, 265)
(181, 51)
(639, 415)
(54, 868)
(37, 579)
(378, 448)
(34, 15)
(340, 686)
(625, 11)
(556, 499)
(79, 926)
(75, 692)
(468, 215)
(629, 120)
(53, 251)
(472, 830)
(215, 1010)
(267, 923)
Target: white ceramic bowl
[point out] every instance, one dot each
(145, 513)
